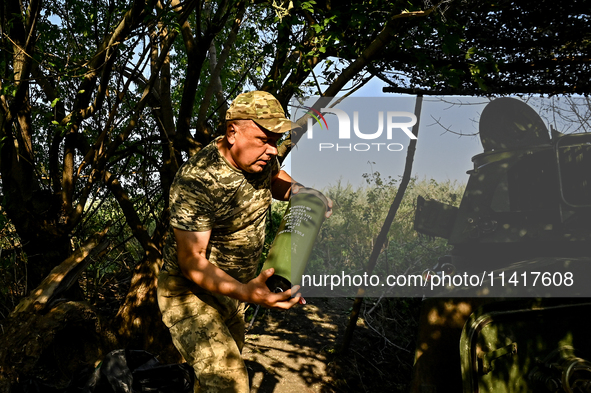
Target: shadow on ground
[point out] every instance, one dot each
(296, 351)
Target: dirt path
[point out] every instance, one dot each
(290, 351)
(295, 351)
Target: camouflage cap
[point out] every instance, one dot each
(262, 108)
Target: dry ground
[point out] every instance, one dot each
(296, 351)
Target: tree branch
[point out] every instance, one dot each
(368, 54)
(215, 85)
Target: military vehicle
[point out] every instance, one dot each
(524, 226)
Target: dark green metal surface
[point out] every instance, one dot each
(535, 345)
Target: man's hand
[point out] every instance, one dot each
(257, 292)
(282, 186)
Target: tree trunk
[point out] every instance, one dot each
(35, 213)
(139, 322)
(383, 235)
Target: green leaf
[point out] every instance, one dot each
(470, 52)
(54, 102)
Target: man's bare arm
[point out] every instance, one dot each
(191, 254)
(281, 186)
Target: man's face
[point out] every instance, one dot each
(252, 147)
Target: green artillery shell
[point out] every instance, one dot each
(295, 238)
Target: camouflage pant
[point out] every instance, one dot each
(208, 330)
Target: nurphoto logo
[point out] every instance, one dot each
(396, 121)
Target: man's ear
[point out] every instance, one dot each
(231, 133)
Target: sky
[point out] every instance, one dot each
(442, 153)
(447, 141)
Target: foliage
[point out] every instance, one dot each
(346, 239)
(13, 284)
(496, 47)
(102, 101)
(105, 282)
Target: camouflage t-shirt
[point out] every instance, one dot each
(210, 194)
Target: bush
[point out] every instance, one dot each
(346, 239)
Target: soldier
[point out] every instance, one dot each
(218, 202)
